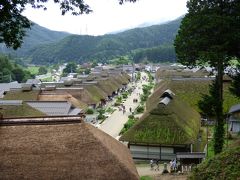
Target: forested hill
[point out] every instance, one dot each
(35, 36)
(154, 43)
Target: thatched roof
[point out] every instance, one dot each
(64, 97)
(23, 110)
(62, 151)
(173, 123)
(96, 93)
(179, 73)
(22, 95)
(107, 86)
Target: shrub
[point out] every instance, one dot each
(89, 111)
(127, 125)
(119, 99)
(144, 97)
(140, 109)
(101, 116)
(101, 111)
(125, 95)
(225, 165)
(131, 116)
(117, 104)
(110, 110)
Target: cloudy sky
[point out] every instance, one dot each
(108, 16)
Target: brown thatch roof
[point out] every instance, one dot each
(63, 97)
(62, 151)
(107, 86)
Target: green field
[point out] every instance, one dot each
(33, 69)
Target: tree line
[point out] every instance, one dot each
(12, 72)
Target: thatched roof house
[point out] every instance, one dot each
(18, 108)
(61, 148)
(170, 126)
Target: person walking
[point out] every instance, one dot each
(157, 164)
(151, 164)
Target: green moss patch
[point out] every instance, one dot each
(21, 95)
(23, 110)
(175, 123)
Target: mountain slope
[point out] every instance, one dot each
(84, 48)
(35, 36)
(154, 43)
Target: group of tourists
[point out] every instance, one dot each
(154, 165)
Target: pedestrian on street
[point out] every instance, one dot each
(130, 109)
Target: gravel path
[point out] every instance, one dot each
(145, 170)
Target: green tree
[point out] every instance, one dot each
(13, 24)
(42, 70)
(210, 33)
(70, 68)
(18, 74)
(235, 85)
(121, 60)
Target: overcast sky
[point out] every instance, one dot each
(108, 16)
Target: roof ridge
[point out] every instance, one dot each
(41, 120)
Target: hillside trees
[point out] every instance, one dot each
(13, 24)
(210, 33)
(70, 68)
(42, 70)
(9, 71)
(165, 53)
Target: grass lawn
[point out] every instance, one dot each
(48, 79)
(146, 178)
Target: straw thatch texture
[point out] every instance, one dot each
(96, 93)
(69, 151)
(174, 123)
(63, 97)
(107, 86)
(180, 73)
(22, 95)
(23, 110)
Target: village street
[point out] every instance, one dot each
(113, 124)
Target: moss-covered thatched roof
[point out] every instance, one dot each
(153, 100)
(115, 82)
(180, 73)
(64, 97)
(63, 151)
(95, 92)
(22, 95)
(107, 86)
(174, 123)
(126, 76)
(23, 110)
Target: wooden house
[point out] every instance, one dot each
(234, 119)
